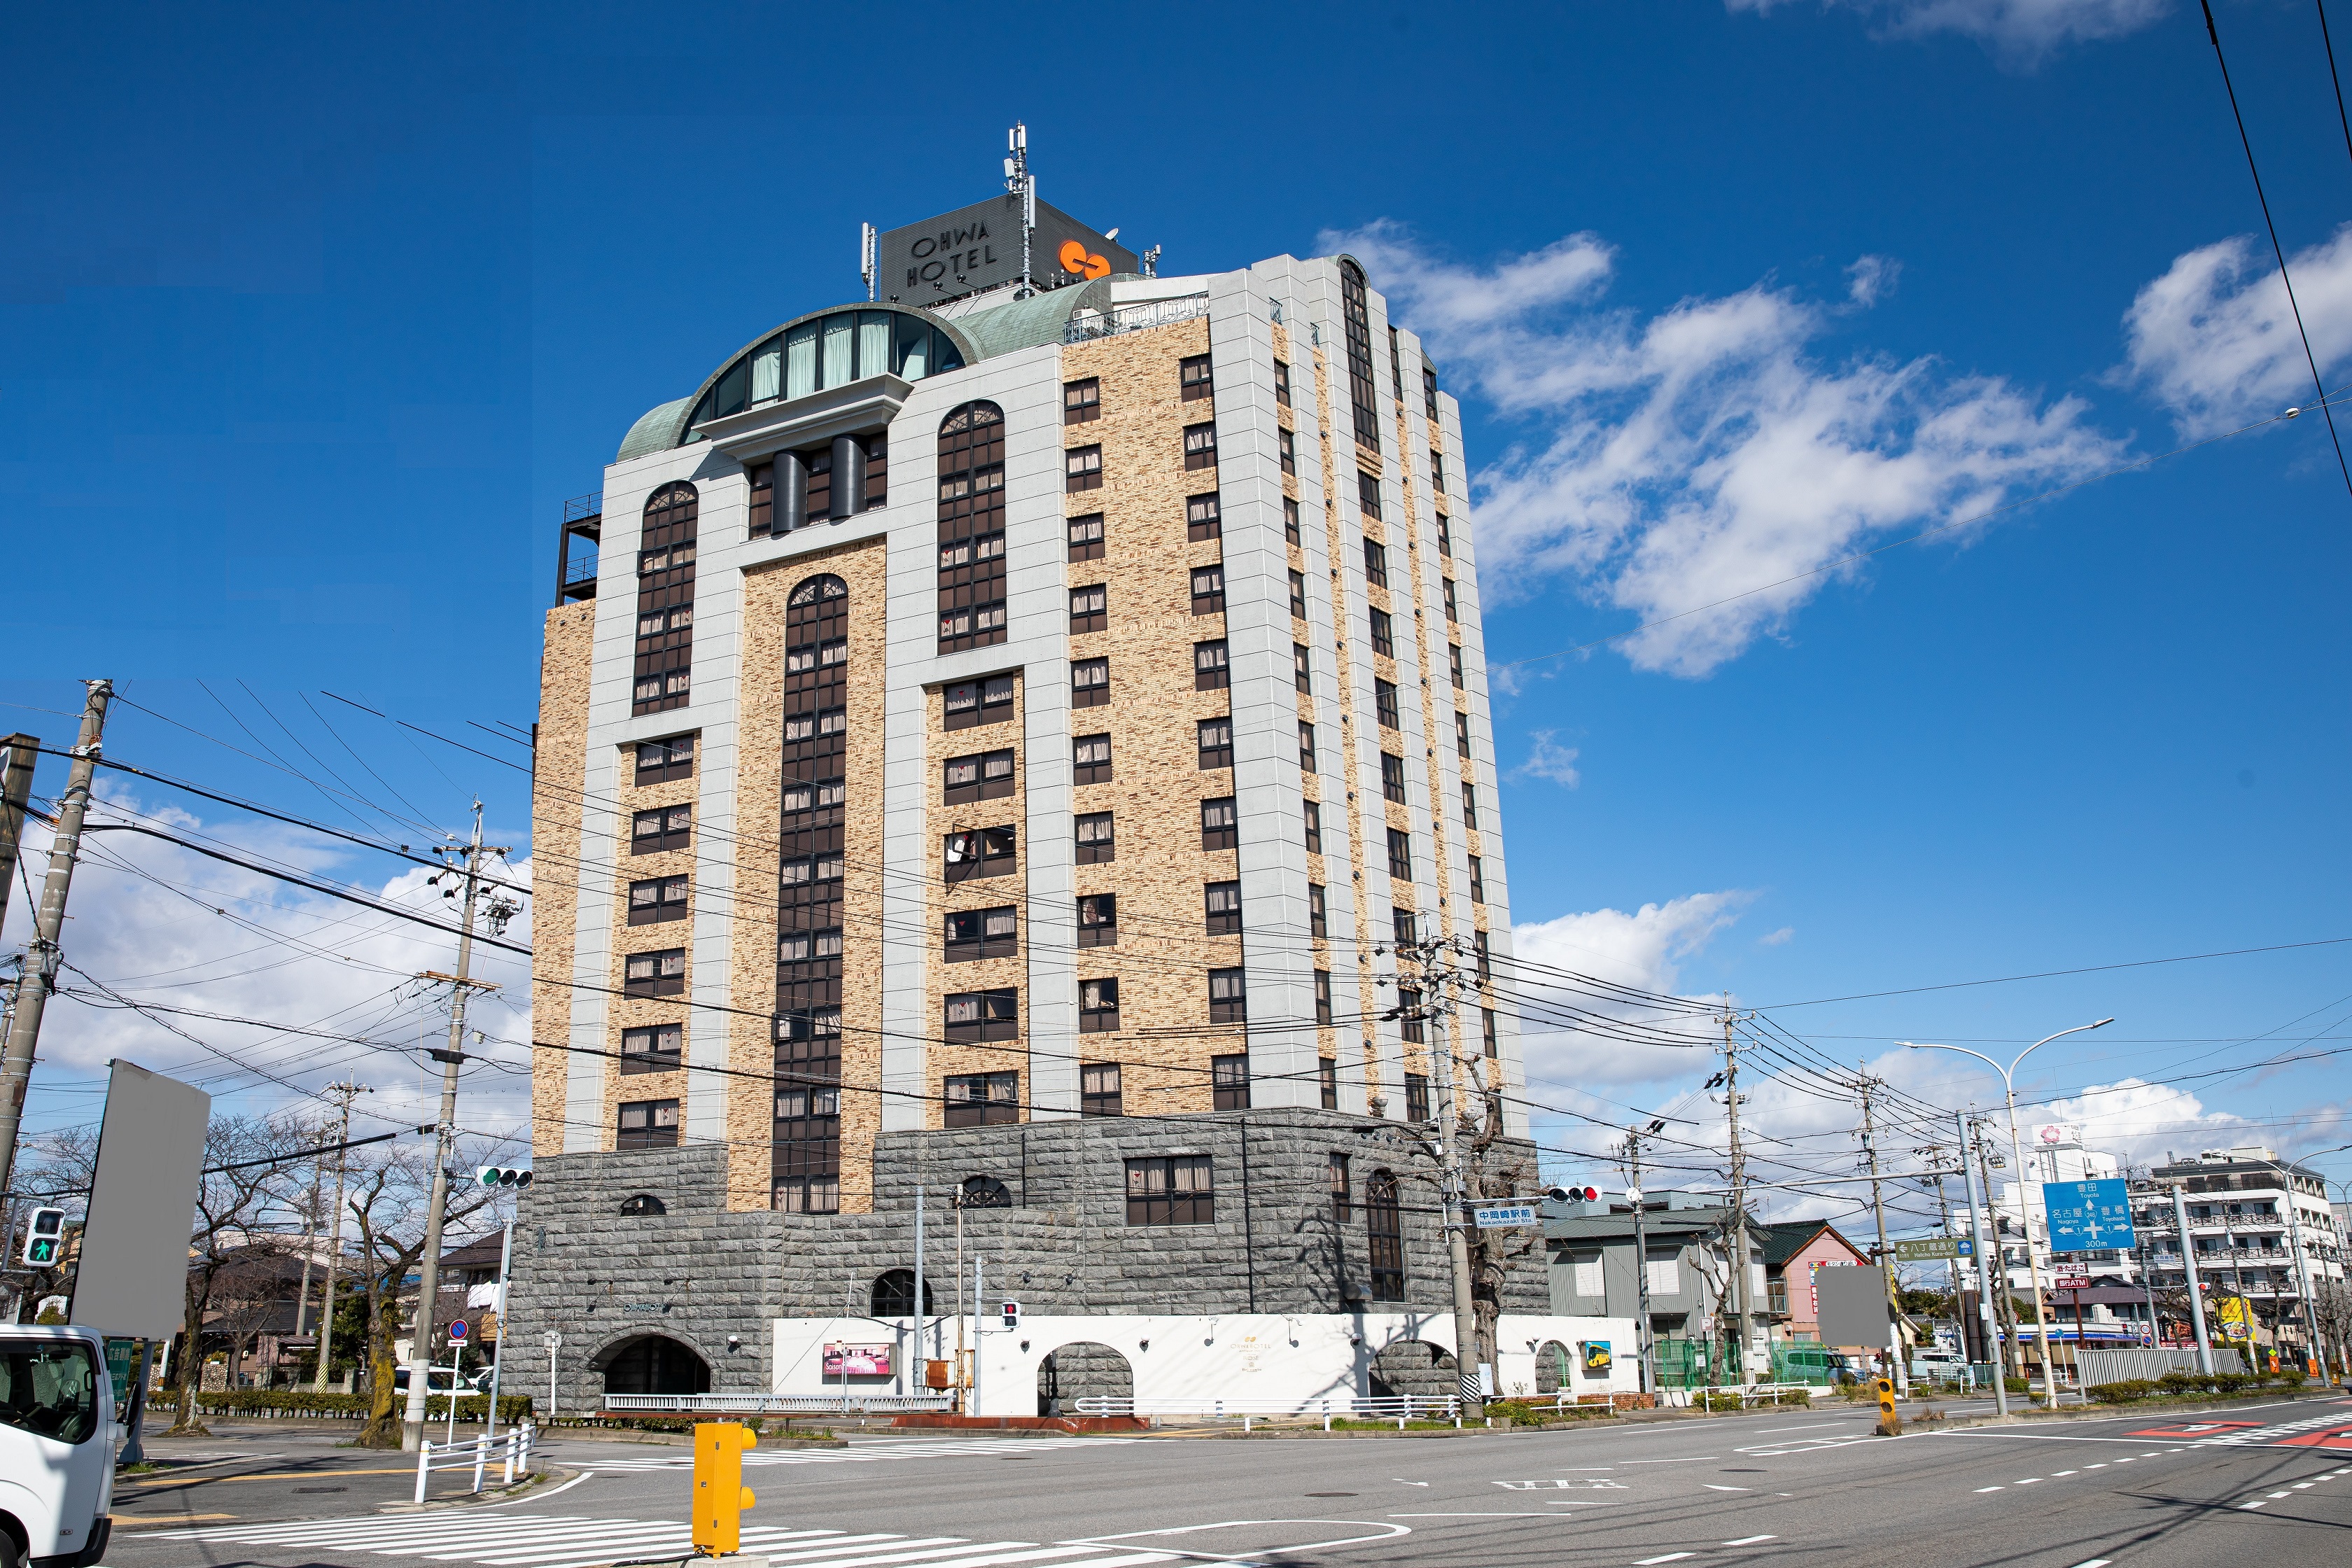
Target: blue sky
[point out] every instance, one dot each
(311, 319)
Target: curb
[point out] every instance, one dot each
(2140, 1406)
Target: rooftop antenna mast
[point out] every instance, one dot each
(869, 262)
(1019, 182)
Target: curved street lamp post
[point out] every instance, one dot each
(2017, 1154)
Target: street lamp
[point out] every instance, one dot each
(2017, 1153)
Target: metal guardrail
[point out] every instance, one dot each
(587, 506)
(1399, 1407)
(1084, 325)
(514, 1452)
(751, 1402)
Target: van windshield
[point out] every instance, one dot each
(49, 1390)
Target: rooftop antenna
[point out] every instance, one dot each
(1151, 258)
(1019, 182)
(869, 262)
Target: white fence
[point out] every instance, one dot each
(2124, 1366)
(1400, 1408)
(511, 1453)
(751, 1402)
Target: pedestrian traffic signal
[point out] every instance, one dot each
(1011, 1314)
(45, 1239)
(503, 1176)
(719, 1495)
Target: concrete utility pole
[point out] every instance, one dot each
(16, 755)
(1935, 1158)
(1642, 1335)
(1437, 1005)
(39, 977)
(2189, 1274)
(1885, 1253)
(343, 1093)
(420, 1343)
(1987, 1236)
(1738, 1195)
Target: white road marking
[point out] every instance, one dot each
(1750, 1540)
(1669, 1557)
(2028, 1480)
(2256, 1503)
(1713, 1487)
(1991, 1488)
(2096, 1562)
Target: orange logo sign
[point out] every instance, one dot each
(1074, 258)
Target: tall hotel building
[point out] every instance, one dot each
(992, 748)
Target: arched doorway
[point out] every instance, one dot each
(655, 1363)
(893, 1295)
(1082, 1371)
(1415, 1367)
(1552, 1367)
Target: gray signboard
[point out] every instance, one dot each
(979, 246)
(133, 1274)
(1853, 1309)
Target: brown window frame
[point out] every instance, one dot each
(1204, 518)
(672, 828)
(980, 1100)
(1376, 564)
(970, 935)
(1220, 823)
(1229, 996)
(1416, 1096)
(1384, 1237)
(1100, 849)
(1327, 1073)
(653, 899)
(1099, 1089)
(666, 977)
(1314, 819)
(1172, 1189)
(1089, 608)
(1454, 659)
(1094, 930)
(645, 1124)
(975, 854)
(1392, 778)
(1081, 468)
(968, 704)
(1099, 1020)
(1290, 521)
(1091, 759)
(1286, 449)
(1383, 630)
(999, 1016)
(654, 1047)
(1322, 996)
(1215, 738)
(1400, 854)
(1318, 920)
(1221, 907)
(672, 757)
(1281, 384)
(1229, 1082)
(1385, 705)
(1209, 588)
(1477, 879)
(1212, 666)
(1086, 537)
(1086, 691)
(1308, 761)
(1082, 400)
(1201, 445)
(993, 775)
(1195, 379)
(1298, 595)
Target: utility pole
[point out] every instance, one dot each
(1987, 1235)
(38, 977)
(2189, 1276)
(1642, 1336)
(1935, 1158)
(1885, 1253)
(1739, 1194)
(343, 1093)
(420, 1346)
(1434, 982)
(17, 754)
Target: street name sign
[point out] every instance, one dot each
(2088, 1216)
(1494, 1216)
(1929, 1250)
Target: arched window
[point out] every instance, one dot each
(664, 650)
(894, 1294)
(1354, 308)
(972, 528)
(1384, 1232)
(644, 1205)
(807, 1160)
(984, 1193)
(829, 350)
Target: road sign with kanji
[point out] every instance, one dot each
(2088, 1216)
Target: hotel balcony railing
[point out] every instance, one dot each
(579, 569)
(1084, 325)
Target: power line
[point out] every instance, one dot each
(2277, 249)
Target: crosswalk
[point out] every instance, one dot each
(581, 1458)
(504, 1540)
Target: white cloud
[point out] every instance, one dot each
(1676, 461)
(1781, 938)
(168, 928)
(2017, 32)
(2214, 340)
(2143, 1122)
(1872, 279)
(1644, 950)
(1546, 760)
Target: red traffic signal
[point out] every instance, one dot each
(1573, 1194)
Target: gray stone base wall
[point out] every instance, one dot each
(699, 1274)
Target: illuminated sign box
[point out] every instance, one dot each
(856, 1360)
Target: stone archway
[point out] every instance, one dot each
(1414, 1367)
(654, 1363)
(1082, 1370)
(1553, 1364)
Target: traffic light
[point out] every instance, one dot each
(45, 1239)
(719, 1495)
(1011, 1314)
(503, 1176)
(1573, 1194)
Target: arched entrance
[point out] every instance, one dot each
(1552, 1365)
(1084, 1370)
(655, 1363)
(1415, 1367)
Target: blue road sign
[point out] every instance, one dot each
(2087, 1217)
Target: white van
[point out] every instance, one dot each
(56, 1447)
(1938, 1366)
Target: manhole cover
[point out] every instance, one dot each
(299, 1491)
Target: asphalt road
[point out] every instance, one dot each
(2270, 1483)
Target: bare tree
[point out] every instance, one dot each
(245, 1162)
(1493, 1169)
(389, 1197)
(51, 1168)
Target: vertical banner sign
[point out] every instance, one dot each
(2087, 1217)
(133, 1274)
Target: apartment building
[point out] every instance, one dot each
(993, 735)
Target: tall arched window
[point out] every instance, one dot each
(971, 527)
(1384, 1231)
(893, 1295)
(1354, 308)
(665, 652)
(807, 1173)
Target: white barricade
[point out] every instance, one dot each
(513, 1451)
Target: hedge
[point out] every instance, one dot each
(2189, 1385)
(299, 1402)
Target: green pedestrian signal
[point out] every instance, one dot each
(45, 1240)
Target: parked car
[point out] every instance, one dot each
(1938, 1366)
